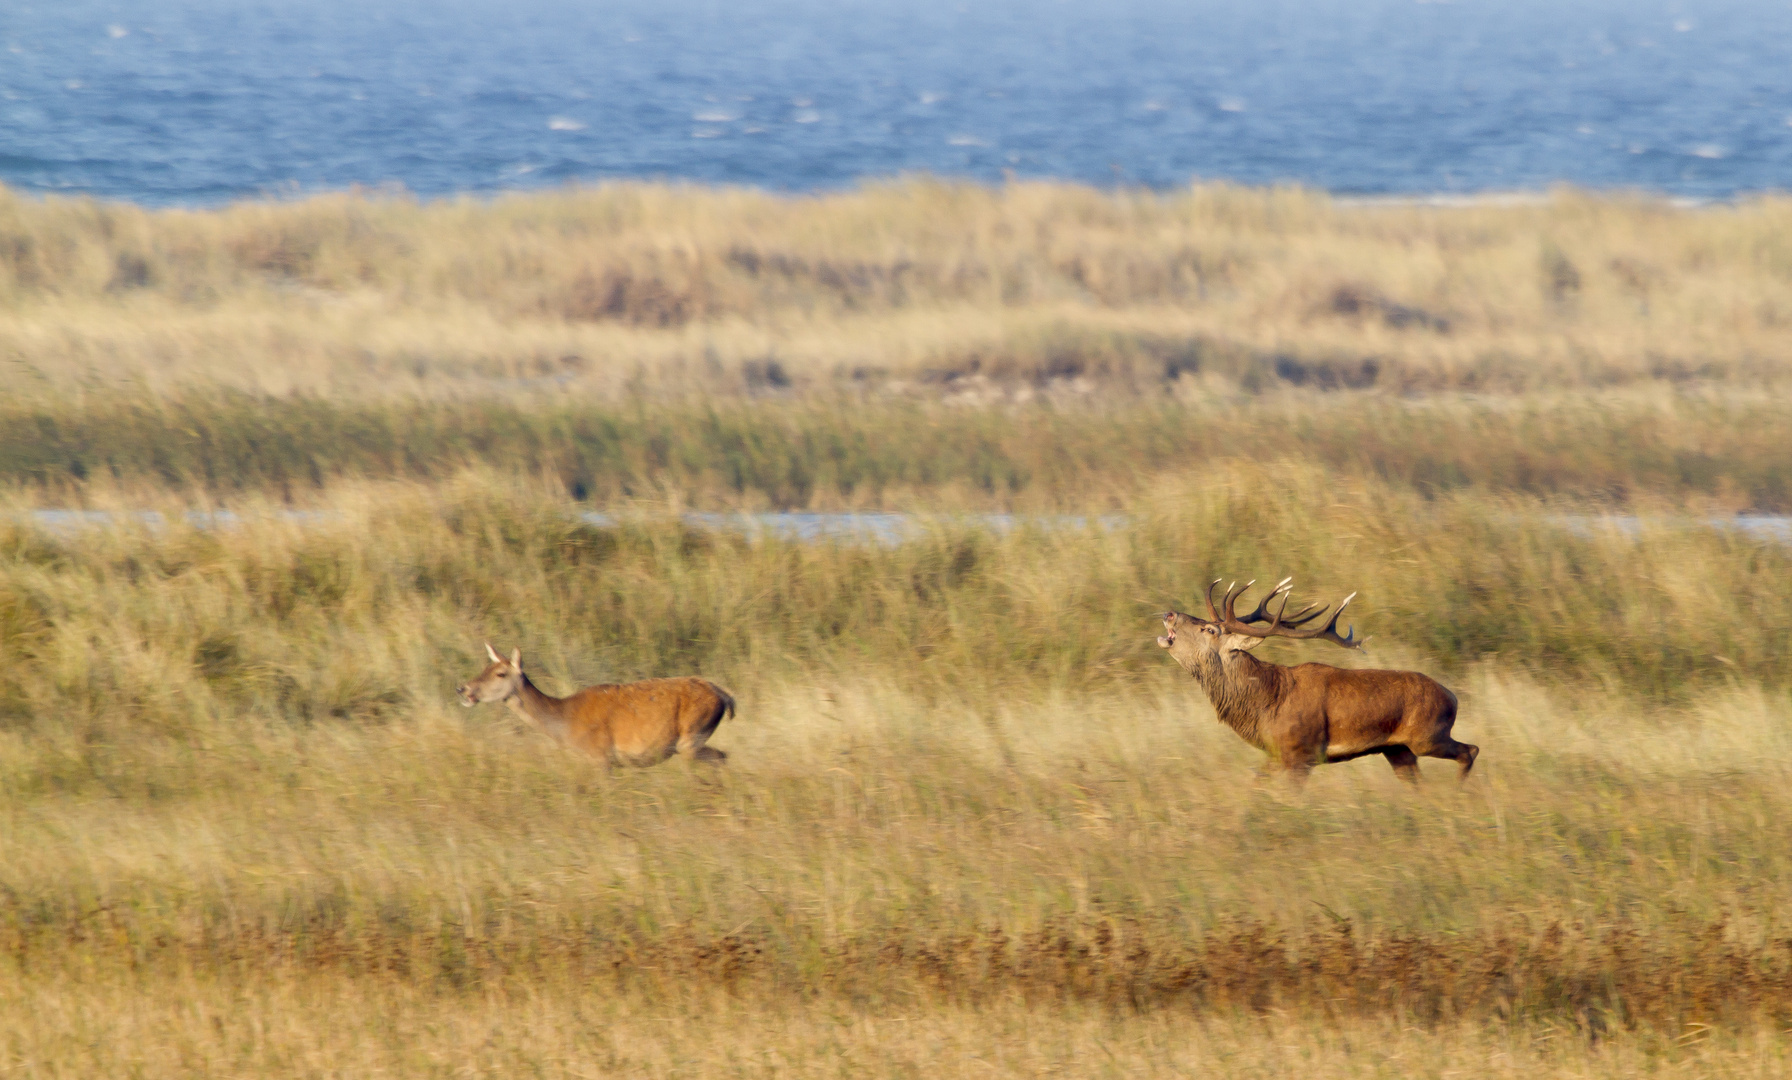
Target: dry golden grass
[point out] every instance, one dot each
(884, 885)
(330, 1027)
(972, 819)
(911, 287)
(1645, 449)
(973, 822)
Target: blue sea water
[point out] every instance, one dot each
(201, 101)
(884, 528)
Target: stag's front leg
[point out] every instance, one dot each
(1296, 770)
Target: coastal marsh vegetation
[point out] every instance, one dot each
(1641, 449)
(734, 348)
(914, 286)
(964, 790)
(973, 820)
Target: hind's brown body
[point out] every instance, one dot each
(640, 723)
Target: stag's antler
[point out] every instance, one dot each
(1234, 592)
(1281, 624)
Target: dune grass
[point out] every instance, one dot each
(734, 348)
(366, 608)
(965, 789)
(974, 821)
(1645, 450)
(917, 286)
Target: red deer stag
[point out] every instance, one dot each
(1311, 714)
(640, 723)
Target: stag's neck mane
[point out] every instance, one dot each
(1243, 689)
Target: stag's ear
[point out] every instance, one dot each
(516, 658)
(1239, 642)
(491, 652)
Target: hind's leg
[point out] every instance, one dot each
(692, 746)
(1405, 763)
(691, 743)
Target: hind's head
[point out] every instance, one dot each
(500, 681)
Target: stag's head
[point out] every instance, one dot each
(1202, 645)
(1197, 644)
(500, 680)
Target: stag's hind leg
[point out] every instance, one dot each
(1405, 763)
(1463, 754)
(1465, 758)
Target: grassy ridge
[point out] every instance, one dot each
(381, 1028)
(947, 288)
(965, 789)
(869, 856)
(1726, 453)
(973, 819)
(318, 620)
(1610, 977)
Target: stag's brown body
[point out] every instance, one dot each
(1311, 714)
(639, 723)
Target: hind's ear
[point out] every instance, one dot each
(491, 652)
(516, 658)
